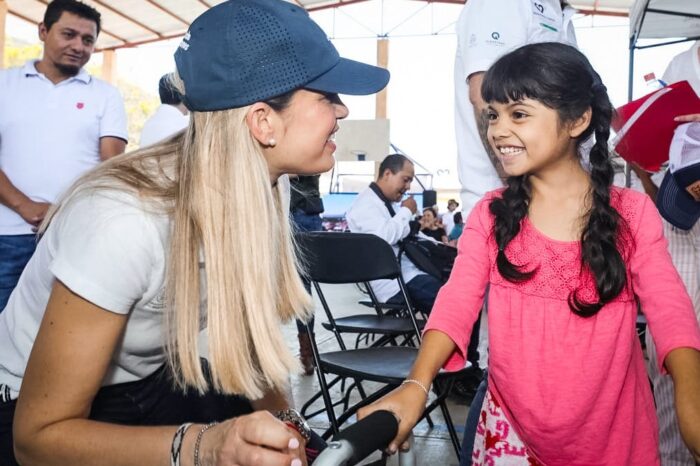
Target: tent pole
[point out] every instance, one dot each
(630, 92)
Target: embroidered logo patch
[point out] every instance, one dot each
(694, 190)
(184, 45)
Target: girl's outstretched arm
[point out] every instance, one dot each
(407, 401)
(684, 366)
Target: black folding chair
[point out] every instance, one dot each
(347, 258)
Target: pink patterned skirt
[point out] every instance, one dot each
(496, 442)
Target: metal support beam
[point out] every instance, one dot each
(109, 61)
(383, 62)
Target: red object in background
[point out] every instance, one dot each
(645, 126)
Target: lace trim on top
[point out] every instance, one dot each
(558, 263)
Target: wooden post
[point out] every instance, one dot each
(383, 61)
(3, 17)
(109, 59)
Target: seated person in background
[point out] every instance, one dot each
(380, 210)
(680, 211)
(170, 118)
(100, 359)
(456, 230)
(429, 226)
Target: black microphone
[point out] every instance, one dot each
(358, 441)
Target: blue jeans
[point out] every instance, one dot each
(422, 290)
(305, 222)
(473, 421)
(15, 252)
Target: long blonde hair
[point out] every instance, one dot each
(208, 180)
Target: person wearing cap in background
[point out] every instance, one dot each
(147, 250)
(679, 207)
(678, 201)
(170, 117)
(447, 218)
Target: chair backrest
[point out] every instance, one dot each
(332, 257)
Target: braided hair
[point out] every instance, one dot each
(561, 78)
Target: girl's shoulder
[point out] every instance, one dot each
(629, 203)
(482, 207)
(485, 201)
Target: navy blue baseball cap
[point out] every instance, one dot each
(678, 199)
(244, 51)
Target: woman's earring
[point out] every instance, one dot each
(272, 142)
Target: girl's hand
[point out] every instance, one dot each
(255, 439)
(407, 402)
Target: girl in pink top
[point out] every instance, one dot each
(566, 258)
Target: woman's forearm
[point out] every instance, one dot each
(88, 443)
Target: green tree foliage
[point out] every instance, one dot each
(139, 106)
(139, 103)
(18, 54)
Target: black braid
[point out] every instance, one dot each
(508, 212)
(599, 238)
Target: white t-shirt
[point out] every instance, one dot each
(448, 221)
(110, 251)
(368, 214)
(165, 121)
(50, 133)
(685, 67)
(486, 30)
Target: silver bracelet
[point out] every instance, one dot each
(177, 444)
(199, 440)
(417, 382)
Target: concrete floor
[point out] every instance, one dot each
(432, 446)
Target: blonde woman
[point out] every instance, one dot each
(145, 252)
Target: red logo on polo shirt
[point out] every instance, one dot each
(80, 105)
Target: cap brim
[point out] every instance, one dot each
(352, 78)
(676, 205)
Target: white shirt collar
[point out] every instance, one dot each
(29, 69)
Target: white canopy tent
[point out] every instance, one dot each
(128, 23)
(675, 20)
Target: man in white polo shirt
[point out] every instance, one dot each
(56, 122)
(487, 29)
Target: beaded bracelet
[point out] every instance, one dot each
(199, 440)
(177, 444)
(417, 382)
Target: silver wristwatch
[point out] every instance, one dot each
(293, 418)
